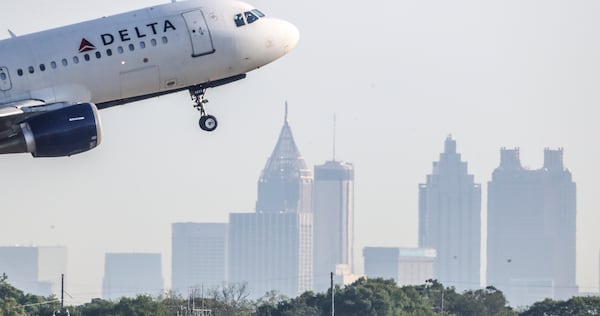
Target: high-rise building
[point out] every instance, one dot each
(531, 229)
(271, 251)
(333, 214)
(199, 256)
(132, 274)
(407, 266)
(285, 184)
(272, 248)
(35, 270)
(450, 220)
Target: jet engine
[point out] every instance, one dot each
(61, 132)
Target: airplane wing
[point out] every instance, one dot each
(14, 113)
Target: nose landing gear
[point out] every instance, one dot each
(207, 122)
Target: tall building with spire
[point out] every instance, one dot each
(285, 185)
(450, 220)
(271, 249)
(532, 229)
(333, 212)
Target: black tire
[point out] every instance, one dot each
(208, 123)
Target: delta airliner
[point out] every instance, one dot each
(52, 83)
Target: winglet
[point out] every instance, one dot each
(11, 33)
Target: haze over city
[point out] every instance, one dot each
(400, 76)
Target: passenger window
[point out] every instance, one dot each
(20, 72)
(153, 42)
(98, 55)
(142, 45)
(42, 67)
(65, 62)
(109, 52)
(131, 47)
(239, 20)
(31, 70)
(165, 40)
(86, 57)
(2, 76)
(120, 49)
(53, 65)
(250, 17)
(76, 60)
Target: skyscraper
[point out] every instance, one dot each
(285, 184)
(272, 248)
(531, 229)
(35, 270)
(271, 251)
(333, 214)
(199, 256)
(132, 274)
(450, 220)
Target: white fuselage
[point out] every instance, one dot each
(151, 51)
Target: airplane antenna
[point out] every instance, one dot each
(334, 126)
(11, 33)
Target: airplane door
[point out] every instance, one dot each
(199, 33)
(5, 83)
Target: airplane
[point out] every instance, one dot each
(52, 83)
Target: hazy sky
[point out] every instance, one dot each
(401, 76)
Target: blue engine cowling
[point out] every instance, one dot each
(63, 132)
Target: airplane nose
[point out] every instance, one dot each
(291, 36)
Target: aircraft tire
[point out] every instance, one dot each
(208, 123)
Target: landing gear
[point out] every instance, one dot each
(207, 122)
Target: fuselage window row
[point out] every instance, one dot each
(87, 57)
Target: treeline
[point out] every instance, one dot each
(362, 298)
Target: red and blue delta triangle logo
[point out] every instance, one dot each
(86, 46)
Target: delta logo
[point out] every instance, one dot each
(86, 46)
(125, 35)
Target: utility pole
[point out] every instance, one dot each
(332, 296)
(62, 291)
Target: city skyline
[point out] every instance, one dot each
(553, 159)
(493, 74)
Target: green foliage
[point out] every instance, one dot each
(14, 302)
(574, 306)
(365, 297)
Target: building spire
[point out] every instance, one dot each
(285, 118)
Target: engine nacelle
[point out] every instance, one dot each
(57, 133)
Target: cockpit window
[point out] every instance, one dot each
(250, 17)
(247, 17)
(239, 20)
(260, 14)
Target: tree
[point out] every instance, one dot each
(267, 305)
(574, 306)
(232, 300)
(9, 300)
(139, 306)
